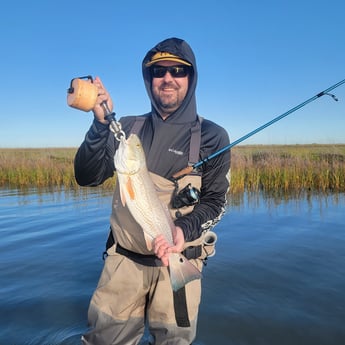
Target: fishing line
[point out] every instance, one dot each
(188, 170)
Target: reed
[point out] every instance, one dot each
(38, 168)
(286, 170)
(273, 170)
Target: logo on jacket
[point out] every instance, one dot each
(177, 152)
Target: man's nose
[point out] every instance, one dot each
(167, 76)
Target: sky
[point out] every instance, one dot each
(255, 59)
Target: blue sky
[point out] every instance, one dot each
(256, 60)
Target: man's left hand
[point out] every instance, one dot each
(163, 248)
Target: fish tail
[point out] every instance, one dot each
(181, 271)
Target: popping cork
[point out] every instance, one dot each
(82, 94)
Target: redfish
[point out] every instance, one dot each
(138, 192)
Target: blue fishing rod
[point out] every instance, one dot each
(188, 170)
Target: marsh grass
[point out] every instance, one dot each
(38, 168)
(273, 170)
(286, 170)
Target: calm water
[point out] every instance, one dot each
(278, 276)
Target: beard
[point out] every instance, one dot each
(169, 102)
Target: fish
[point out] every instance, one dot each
(138, 193)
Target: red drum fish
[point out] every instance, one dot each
(138, 193)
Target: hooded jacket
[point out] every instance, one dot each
(166, 144)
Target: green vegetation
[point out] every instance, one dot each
(38, 168)
(288, 170)
(273, 170)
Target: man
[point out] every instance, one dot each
(134, 287)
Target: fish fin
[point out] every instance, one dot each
(122, 196)
(181, 271)
(149, 241)
(126, 188)
(130, 189)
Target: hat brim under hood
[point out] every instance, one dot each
(165, 56)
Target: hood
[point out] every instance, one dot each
(187, 111)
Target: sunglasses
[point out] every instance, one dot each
(179, 71)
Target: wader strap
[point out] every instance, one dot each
(145, 260)
(191, 252)
(109, 244)
(138, 124)
(180, 307)
(110, 241)
(142, 259)
(195, 140)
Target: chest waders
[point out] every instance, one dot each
(126, 236)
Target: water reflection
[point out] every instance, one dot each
(254, 200)
(42, 195)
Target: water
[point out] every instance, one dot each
(277, 277)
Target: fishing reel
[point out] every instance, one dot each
(188, 196)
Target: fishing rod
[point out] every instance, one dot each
(188, 170)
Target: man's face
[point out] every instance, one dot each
(169, 92)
